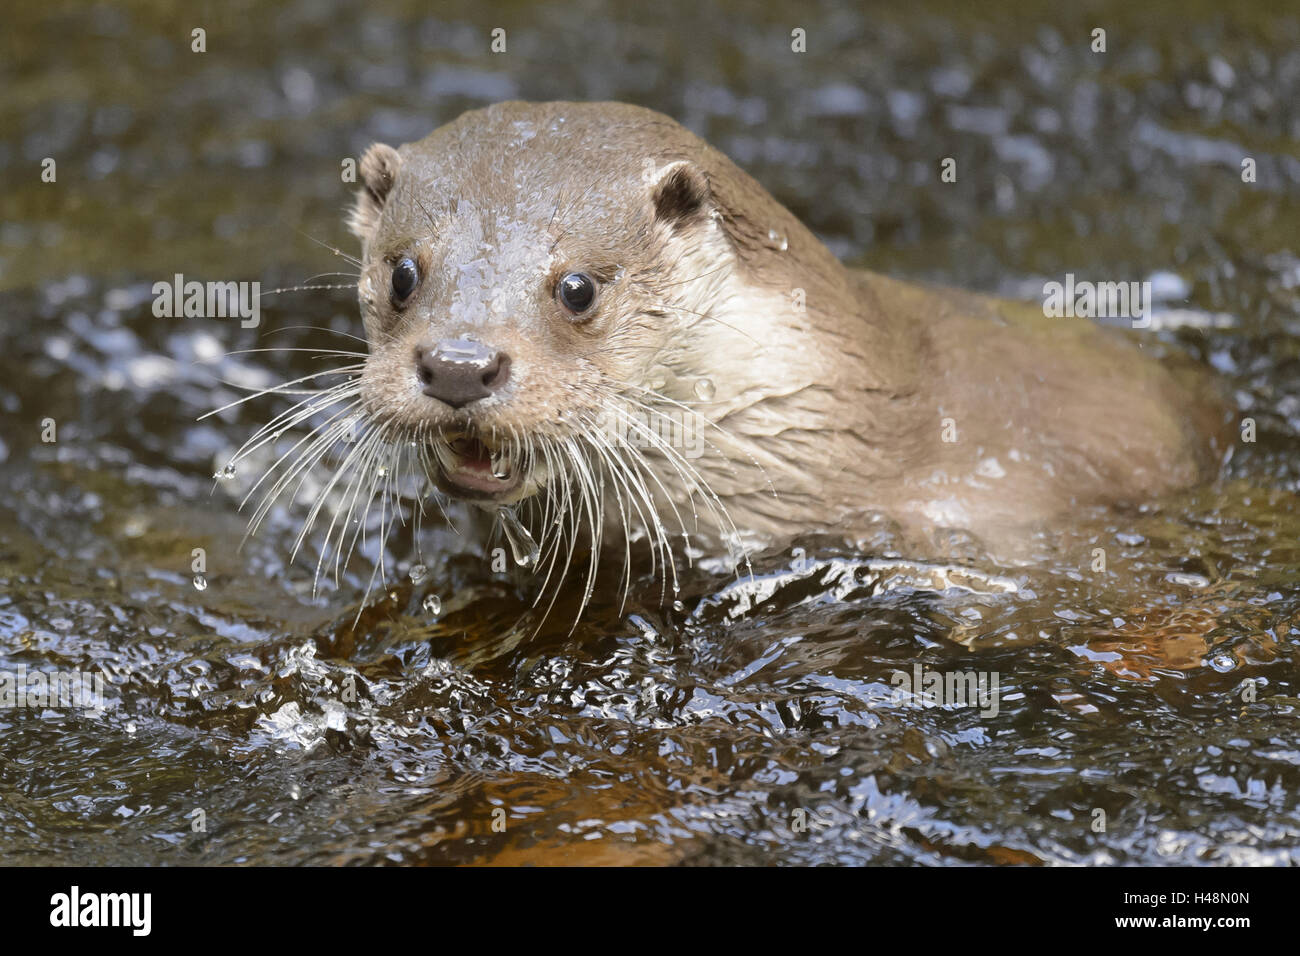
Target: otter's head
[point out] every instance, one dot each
(552, 294)
(528, 270)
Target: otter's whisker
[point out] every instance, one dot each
(283, 389)
(654, 526)
(317, 446)
(611, 465)
(309, 288)
(260, 439)
(695, 482)
(687, 410)
(574, 456)
(267, 436)
(365, 467)
(361, 448)
(317, 328)
(291, 348)
(552, 517)
(591, 506)
(338, 252)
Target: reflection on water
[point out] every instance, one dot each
(1146, 703)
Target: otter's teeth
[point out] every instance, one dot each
(500, 464)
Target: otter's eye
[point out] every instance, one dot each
(576, 292)
(405, 275)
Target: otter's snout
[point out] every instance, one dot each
(460, 371)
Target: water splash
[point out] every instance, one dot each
(1223, 662)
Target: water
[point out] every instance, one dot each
(524, 549)
(1147, 705)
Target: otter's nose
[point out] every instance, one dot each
(460, 371)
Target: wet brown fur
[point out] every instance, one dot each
(823, 415)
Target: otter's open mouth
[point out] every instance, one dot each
(470, 468)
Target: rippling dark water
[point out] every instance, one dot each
(1146, 713)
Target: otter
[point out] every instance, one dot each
(543, 285)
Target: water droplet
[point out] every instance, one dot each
(678, 606)
(522, 545)
(226, 473)
(432, 605)
(777, 241)
(200, 583)
(705, 389)
(418, 573)
(1223, 662)
(382, 471)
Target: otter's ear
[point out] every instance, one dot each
(680, 194)
(379, 168)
